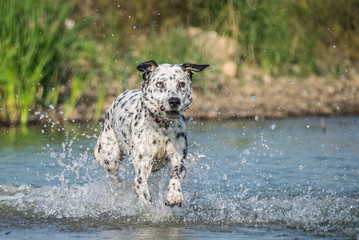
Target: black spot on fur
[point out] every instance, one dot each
(181, 169)
(123, 104)
(175, 173)
(99, 148)
(106, 162)
(179, 135)
(184, 152)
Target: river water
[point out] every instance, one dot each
(270, 179)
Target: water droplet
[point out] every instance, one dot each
(256, 118)
(302, 166)
(334, 46)
(273, 126)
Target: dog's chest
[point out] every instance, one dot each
(159, 159)
(159, 140)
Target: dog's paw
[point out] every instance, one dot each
(174, 198)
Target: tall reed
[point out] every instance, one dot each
(34, 43)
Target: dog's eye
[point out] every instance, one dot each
(182, 84)
(159, 84)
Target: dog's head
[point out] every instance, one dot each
(167, 87)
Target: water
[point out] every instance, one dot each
(273, 179)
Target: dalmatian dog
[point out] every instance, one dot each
(148, 126)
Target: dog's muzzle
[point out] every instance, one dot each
(173, 112)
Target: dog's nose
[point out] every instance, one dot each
(174, 102)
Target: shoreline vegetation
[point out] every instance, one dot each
(68, 60)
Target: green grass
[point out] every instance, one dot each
(35, 44)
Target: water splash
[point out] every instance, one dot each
(104, 200)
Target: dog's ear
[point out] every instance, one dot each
(189, 67)
(147, 67)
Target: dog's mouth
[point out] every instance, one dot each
(172, 114)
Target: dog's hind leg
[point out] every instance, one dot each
(107, 151)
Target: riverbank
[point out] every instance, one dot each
(252, 96)
(283, 98)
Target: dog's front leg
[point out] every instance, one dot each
(143, 167)
(174, 194)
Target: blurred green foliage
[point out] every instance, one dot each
(35, 48)
(54, 52)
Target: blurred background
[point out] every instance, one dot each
(67, 60)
